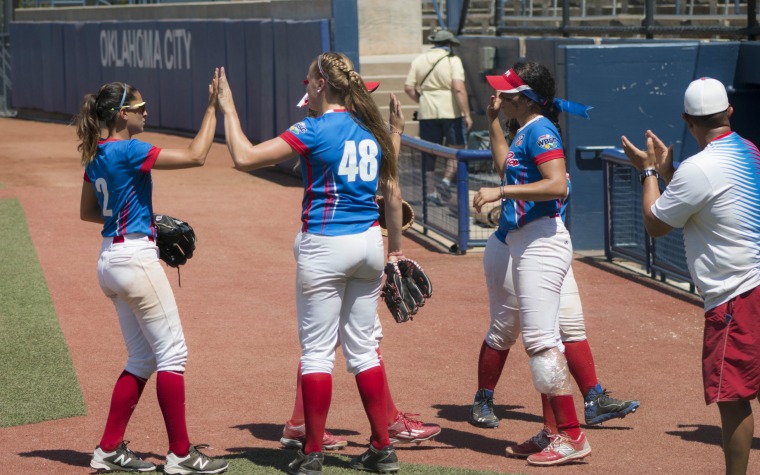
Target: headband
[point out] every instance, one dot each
(123, 96)
(319, 65)
(511, 83)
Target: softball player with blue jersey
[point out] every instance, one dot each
(346, 155)
(117, 193)
(534, 187)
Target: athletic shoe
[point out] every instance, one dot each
(441, 196)
(295, 437)
(562, 450)
(601, 407)
(310, 464)
(481, 414)
(444, 191)
(121, 459)
(194, 462)
(378, 461)
(534, 445)
(405, 430)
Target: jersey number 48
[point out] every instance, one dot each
(366, 167)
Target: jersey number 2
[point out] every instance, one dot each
(367, 166)
(102, 186)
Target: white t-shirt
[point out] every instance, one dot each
(715, 197)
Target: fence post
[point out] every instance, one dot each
(607, 216)
(463, 205)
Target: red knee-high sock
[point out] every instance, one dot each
(317, 394)
(490, 365)
(126, 394)
(297, 418)
(581, 364)
(170, 388)
(391, 409)
(549, 420)
(371, 385)
(564, 414)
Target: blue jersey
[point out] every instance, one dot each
(120, 173)
(340, 166)
(535, 143)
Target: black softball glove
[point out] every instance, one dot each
(175, 239)
(406, 288)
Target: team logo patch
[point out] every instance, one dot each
(548, 142)
(519, 140)
(298, 128)
(511, 160)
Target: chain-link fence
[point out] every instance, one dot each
(625, 233)
(447, 211)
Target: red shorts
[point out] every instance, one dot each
(731, 349)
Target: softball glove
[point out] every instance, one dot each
(175, 239)
(406, 288)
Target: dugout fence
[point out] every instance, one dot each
(421, 167)
(625, 233)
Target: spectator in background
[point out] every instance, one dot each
(436, 82)
(714, 197)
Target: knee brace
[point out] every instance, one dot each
(550, 373)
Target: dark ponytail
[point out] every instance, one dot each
(97, 109)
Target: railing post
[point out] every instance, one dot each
(649, 19)
(751, 18)
(463, 205)
(607, 216)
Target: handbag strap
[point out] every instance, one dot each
(432, 69)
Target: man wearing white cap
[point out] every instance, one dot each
(715, 197)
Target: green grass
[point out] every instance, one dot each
(37, 379)
(273, 461)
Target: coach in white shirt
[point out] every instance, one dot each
(715, 197)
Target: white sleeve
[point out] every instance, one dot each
(685, 196)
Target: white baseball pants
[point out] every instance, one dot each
(337, 288)
(130, 274)
(541, 253)
(504, 309)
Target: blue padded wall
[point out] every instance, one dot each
(171, 63)
(633, 87)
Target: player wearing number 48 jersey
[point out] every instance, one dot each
(346, 156)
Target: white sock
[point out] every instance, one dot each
(446, 182)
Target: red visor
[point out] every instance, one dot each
(371, 87)
(508, 82)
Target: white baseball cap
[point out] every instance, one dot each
(705, 96)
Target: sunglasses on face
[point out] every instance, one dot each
(139, 108)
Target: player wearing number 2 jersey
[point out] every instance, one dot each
(117, 193)
(346, 156)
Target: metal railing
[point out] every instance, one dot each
(625, 234)
(646, 25)
(6, 86)
(421, 167)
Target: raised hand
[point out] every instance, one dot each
(492, 110)
(396, 116)
(226, 103)
(663, 157)
(213, 90)
(641, 159)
